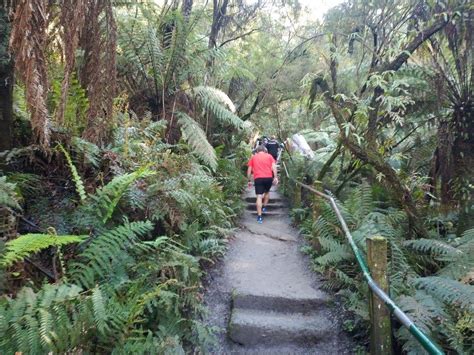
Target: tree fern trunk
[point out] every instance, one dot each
(6, 84)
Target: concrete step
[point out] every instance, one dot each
(252, 327)
(270, 206)
(276, 213)
(279, 303)
(272, 200)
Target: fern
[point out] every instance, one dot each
(424, 311)
(75, 175)
(25, 245)
(451, 292)
(8, 195)
(433, 247)
(216, 102)
(89, 151)
(106, 198)
(98, 306)
(460, 265)
(216, 95)
(106, 252)
(197, 139)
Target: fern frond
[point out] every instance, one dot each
(89, 151)
(106, 198)
(219, 104)
(450, 291)
(217, 95)
(98, 306)
(197, 139)
(432, 246)
(25, 245)
(423, 310)
(75, 175)
(104, 253)
(8, 195)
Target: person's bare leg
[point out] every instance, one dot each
(259, 205)
(266, 198)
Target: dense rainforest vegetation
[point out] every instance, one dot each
(124, 132)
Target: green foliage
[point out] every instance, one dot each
(104, 254)
(218, 104)
(76, 105)
(8, 195)
(440, 303)
(452, 292)
(196, 138)
(28, 244)
(106, 198)
(89, 152)
(75, 175)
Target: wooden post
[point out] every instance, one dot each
(316, 211)
(381, 328)
(316, 200)
(297, 196)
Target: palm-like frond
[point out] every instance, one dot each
(218, 104)
(196, 138)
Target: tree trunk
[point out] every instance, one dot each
(6, 84)
(463, 165)
(186, 9)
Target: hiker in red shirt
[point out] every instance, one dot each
(263, 167)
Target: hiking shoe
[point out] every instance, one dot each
(264, 209)
(259, 219)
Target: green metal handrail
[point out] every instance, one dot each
(428, 344)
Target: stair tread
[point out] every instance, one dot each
(270, 213)
(297, 303)
(282, 320)
(250, 327)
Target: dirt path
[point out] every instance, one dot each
(263, 296)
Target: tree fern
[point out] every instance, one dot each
(216, 102)
(360, 202)
(197, 139)
(25, 245)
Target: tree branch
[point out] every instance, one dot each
(239, 37)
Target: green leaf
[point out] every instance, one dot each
(25, 245)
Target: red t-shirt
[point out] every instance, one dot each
(261, 164)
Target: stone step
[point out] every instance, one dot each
(276, 213)
(280, 303)
(270, 206)
(272, 200)
(252, 327)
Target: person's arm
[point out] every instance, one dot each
(275, 176)
(249, 174)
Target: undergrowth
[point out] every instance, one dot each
(430, 278)
(127, 260)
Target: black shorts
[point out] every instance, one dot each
(263, 185)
